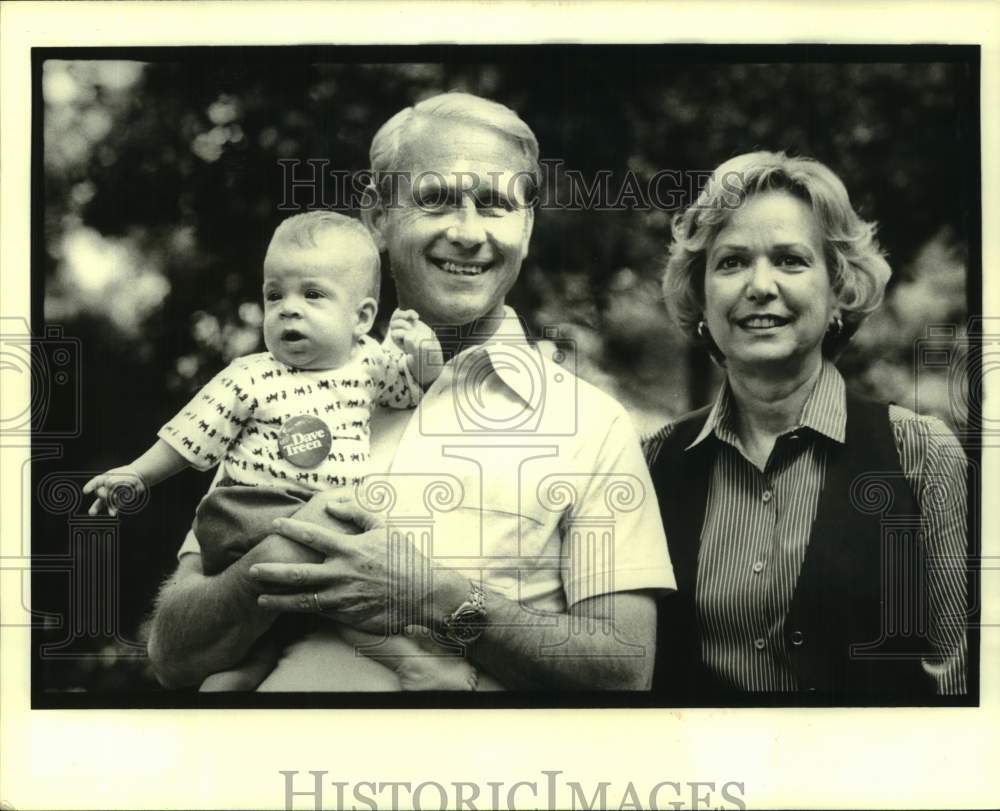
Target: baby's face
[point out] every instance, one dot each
(315, 305)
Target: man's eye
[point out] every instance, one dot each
(435, 198)
(494, 204)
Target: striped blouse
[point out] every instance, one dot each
(758, 524)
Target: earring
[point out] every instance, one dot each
(700, 329)
(836, 327)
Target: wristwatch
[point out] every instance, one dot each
(466, 623)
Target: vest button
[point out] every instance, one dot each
(759, 644)
(798, 638)
(766, 496)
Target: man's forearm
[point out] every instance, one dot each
(607, 643)
(202, 625)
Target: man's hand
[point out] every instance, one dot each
(419, 343)
(362, 582)
(120, 484)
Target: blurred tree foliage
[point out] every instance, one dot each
(162, 186)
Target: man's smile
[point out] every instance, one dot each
(460, 267)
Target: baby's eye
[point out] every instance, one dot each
(314, 294)
(272, 295)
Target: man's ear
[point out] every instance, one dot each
(365, 316)
(373, 215)
(529, 224)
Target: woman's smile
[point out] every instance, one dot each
(762, 323)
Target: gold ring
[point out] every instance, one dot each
(316, 601)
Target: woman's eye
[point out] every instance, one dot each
(791, 260)
(730, 263)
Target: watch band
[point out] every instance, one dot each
(466, 623)
(477, 595)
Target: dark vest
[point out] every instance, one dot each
(834, 627)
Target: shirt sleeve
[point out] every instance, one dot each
(936, 468)
(395, 386)
(213, 419)
(613, 536)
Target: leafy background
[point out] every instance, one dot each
(161, 188)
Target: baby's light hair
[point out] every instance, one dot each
(305, 232)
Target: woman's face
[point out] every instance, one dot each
(768, 299)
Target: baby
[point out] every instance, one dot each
(294, 420)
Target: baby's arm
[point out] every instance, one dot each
(419, 343)
(158, 463)
(196, 437)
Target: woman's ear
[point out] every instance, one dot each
(365, 316)
(373, 215)
(836, 308)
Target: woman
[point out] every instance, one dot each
(776, 498)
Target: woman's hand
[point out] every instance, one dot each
(368, 581)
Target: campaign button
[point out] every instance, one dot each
(304, 441)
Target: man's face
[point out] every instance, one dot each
(457, 226)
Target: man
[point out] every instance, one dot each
(516, 519)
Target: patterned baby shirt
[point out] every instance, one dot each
(239, 418)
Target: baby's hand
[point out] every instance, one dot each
(419, 343)
(107, 484)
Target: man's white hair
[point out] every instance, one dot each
(393, 134)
